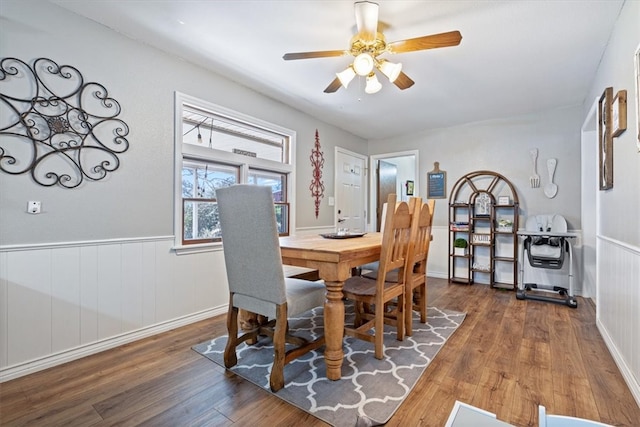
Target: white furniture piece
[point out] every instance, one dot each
(546, 243)
(465, 415)
(545, 420)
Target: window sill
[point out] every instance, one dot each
(197, 248)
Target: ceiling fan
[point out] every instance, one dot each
(368, 44)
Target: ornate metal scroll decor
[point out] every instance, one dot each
(55, 126)
(317, 185)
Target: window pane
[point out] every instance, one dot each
(205, 224)
(282, 218)
(207, 129)
(199, 184)
(277, 182)
(200, 180)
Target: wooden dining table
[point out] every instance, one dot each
(334, 259)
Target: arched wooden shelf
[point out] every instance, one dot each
(484, 211)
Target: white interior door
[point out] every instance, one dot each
(350, 190)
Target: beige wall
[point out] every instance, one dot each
(137, 199)
(503, 146)
(96, 268)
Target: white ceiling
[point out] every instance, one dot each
(516, 56)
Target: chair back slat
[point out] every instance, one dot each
(423, 238)
(395, 239)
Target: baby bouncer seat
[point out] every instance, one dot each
(546, 245)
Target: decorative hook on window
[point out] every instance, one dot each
(55, 126)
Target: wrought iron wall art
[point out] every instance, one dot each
(55, 126)
(317, 185)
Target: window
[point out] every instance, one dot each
(278, 182)
(216, 148)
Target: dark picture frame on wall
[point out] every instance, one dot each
(605, 140)
(409, 188)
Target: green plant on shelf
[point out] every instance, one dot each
(460, 243)
(460, 246)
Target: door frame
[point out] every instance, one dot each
(590, 202)
(365, 188)
(372, 179)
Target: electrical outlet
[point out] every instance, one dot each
(33, 207)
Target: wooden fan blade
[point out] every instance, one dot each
(403, 81)
(334, 86)
(452, 38)
(318, 54)
(366, 20)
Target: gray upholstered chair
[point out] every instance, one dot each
(256, 279)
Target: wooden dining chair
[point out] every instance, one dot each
(416, 265)
(256, 279)
(376, 293)
(370, 270)
(416, 269)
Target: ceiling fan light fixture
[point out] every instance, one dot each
(373, 85)
(389, 69)
(363, 64)
(346, 76)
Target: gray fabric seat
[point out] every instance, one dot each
(256, 279)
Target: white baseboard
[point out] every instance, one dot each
(56, 359)
(438, 274)
(626, 372)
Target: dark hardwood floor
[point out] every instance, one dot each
(508, 357)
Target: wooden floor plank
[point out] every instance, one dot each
(494, 392)
(508, 357)
(164, 391)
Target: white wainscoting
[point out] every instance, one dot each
(618, 306)
(65, 301)
(438, 264)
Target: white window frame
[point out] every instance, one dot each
(194, 152)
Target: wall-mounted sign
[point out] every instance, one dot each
(244, 152)
(436, 183)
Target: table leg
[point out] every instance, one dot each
(333, 329)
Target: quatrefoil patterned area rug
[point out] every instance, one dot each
(370, 390)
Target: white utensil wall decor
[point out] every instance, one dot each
(534, 179)
(551, 189)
